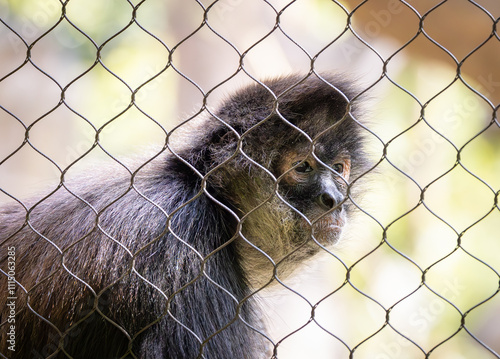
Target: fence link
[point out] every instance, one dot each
(90, 82)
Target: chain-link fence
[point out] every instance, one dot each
(92, 92)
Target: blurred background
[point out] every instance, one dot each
(418, 271)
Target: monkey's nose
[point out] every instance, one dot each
(326, 201)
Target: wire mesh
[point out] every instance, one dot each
(85, 81)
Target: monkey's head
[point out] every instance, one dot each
(288, 167)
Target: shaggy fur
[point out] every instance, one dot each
(163, 264)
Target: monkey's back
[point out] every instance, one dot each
(113, 267)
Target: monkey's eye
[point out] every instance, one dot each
(338, 167)
(303, 167)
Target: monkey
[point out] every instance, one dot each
(166, 261)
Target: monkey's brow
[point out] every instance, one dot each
(325, 152)
(331, 155)
(305, 149)
(319, 149)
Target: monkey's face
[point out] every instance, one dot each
(316, 186)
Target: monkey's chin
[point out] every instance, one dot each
(327, 230)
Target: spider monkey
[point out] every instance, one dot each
(164, 262)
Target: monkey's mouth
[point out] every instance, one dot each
(327, 229)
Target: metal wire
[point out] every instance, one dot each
(384, 242)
